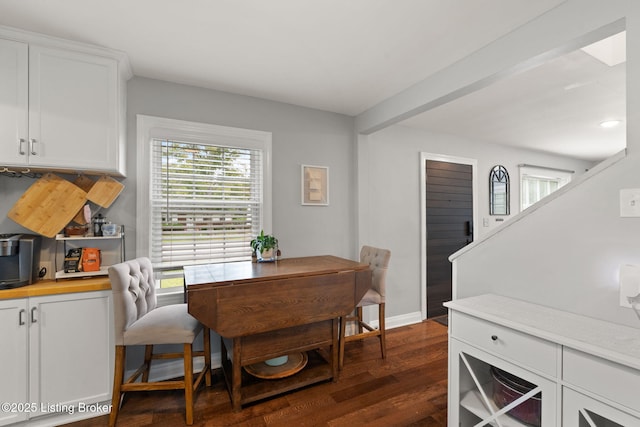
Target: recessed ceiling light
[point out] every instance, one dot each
(610, 123)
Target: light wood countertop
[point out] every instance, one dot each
(52, 287)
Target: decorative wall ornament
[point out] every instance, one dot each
(499, 191)
(315, 185)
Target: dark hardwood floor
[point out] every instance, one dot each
(409, 388)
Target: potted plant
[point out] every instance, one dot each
(265, 247)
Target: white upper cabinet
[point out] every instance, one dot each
(61, 108)
(72, 110)
(14, 98)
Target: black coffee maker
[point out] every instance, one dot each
(19, 259)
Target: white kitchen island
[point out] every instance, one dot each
(585, 371)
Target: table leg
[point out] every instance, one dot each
(236, 376)
(335, 354)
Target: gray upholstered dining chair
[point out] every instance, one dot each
(378, 260)
(139, 321)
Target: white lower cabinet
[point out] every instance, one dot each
(613, 390)
(485, 396)
(583, 411)
(14, 357)
(57, 355)
(556, 368)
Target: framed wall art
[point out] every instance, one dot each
(315, 185)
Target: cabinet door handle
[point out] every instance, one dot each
(33, 316)
(32, 148)
(494, 337)
(21, 313)
(20, 150)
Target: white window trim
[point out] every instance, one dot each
(563, 177)
(150, 127)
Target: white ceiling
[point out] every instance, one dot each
(343, 56)
(556, 107)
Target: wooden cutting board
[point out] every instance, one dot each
(85, 183)
(48, 205)
(104, 191)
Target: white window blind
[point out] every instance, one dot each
(206, 202)
(537, 183)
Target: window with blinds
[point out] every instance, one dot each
(206, 203)
(537, 183)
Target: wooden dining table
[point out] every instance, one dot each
(264, 311)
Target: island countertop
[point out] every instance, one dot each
(618, 343)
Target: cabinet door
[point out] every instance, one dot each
(471, 398)
(71, 348)
(14, 358)
(13, 103)
(581, 411)
(73, 110)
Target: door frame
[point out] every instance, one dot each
(424, 156)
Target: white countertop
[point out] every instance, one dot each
(618, 343)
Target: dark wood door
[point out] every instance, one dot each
(449, 213)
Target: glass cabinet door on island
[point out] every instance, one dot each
(494, 392)
(582, 411)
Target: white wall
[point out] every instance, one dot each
(566, 254)
(300, 136)
(389, 188)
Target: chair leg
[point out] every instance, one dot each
(359, 316)
(381, 326)
(118, 378)
(188, 383)
(206, 341)
(148, 355)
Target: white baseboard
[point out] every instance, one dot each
(398, 321)
(403, 320)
